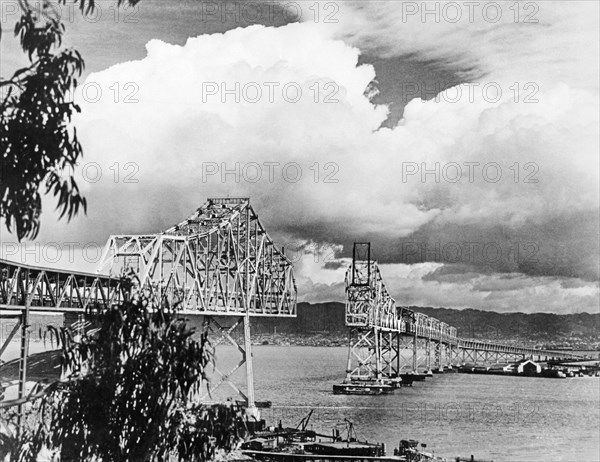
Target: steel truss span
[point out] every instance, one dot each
(386, 340)
(218, 262)
(46, 289)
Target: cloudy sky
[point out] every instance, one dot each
(460, 138)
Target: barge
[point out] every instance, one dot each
(383, 386)
(363, 388)
(279, 444)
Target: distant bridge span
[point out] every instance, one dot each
(387, 340)
(219, 262)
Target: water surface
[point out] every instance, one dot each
(492, 417)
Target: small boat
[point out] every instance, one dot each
(409, 450)
(363, 388)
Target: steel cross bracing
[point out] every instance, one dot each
(218, 262)
(386, 340)
(46, 289)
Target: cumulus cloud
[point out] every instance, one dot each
(202, 121)
(177, 123)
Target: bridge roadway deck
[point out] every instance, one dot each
(425, 332)
(54, 290)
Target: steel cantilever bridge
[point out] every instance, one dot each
(387, 340)
(220, 264)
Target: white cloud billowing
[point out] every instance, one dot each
(173, 133)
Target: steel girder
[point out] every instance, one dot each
(220, 261)
(222, 333)
(46, 289)
(368, 302)
(512, 350)
(377, 353)
(408, 352)
(364, 355)
(370, 306)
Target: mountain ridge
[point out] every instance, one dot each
(577, 330)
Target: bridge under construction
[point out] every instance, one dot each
(221, 264)
(388, 342)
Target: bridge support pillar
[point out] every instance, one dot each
(438, 364)
(428, 353)
(398, 344)
(407, 353)
(252, 411)
(362, 362)
(389, 353)
(378, 354)
(415, 354)
(24, 353)
(225, 334)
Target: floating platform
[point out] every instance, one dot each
(363, 388)
(279, 444)
(368, 386)
(346, 448)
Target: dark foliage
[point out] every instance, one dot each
(128, 393)
(37, 142)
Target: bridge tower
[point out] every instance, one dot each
(220, 265)
(375, 343)
(387, 342)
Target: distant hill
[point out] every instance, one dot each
(580, 330)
